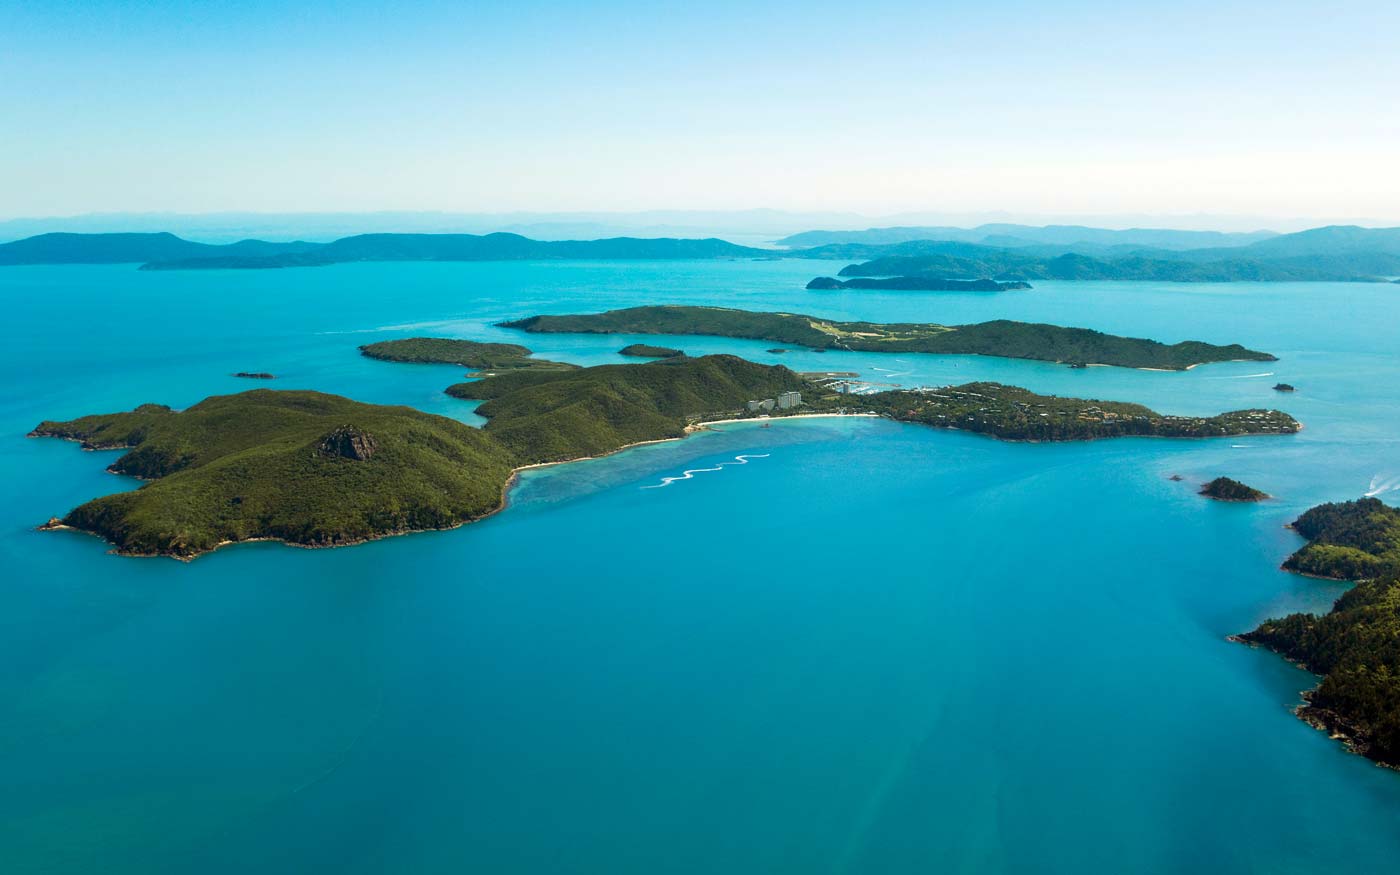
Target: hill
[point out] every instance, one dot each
(1225, 489)
(451, 351)
(301, 467)
(62, 248)
(552, 416)
(1000, 338)
(1356, 645)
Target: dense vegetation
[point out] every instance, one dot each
(1000, 338)
(1352, 540)
(644, 350)
(546, 417)
(1356, 646)
(303, 467)
(316, 469)
(916, 284)
(1225, 489)
(467, 353)
(1013, 413)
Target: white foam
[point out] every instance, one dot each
(741, 459)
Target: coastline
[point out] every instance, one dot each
(514, 476)
(56, 524)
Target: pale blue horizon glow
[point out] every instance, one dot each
(1083, 107)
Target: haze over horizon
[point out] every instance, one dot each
(1268, 111)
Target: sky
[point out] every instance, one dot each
(1231, 107)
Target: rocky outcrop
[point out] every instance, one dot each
(348, 442)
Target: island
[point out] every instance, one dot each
(917, 284)
(1004, 338)
(296, 466)
(971, 262)
(450, 351)
(313, 469)
(1355, 647)
(1225, 489)
(1283, 387)
(255, 375)
(642, 350)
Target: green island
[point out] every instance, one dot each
(644, 350)
(450, 351)
(302, 467)
(917, 284)
(1003, 338)
(1355, 647)
(1225, 489)
(1013, 413)
(320, 470)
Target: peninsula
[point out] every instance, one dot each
(320, 470)
(450, 351)
(1004, 338)
(1356, 645)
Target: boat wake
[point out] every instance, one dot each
(1381, 484)
(741, 459)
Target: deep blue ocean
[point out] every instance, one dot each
(874, 648)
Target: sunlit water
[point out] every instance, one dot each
(869, 648)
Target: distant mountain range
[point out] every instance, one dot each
(165, 251)
(1077, 237)
(1335, 253)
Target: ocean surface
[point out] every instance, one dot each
(871, 648)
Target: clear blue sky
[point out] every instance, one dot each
(1234, 106)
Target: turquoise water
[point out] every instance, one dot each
(872, 648)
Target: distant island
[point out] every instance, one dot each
(168, 252)
(1225, 489)
(1283, 387)
(255, 375)
(1004, 338)
(1012, 266)
(1003, 253)
(320, 470)
(917, 284)
(450, 351)
(1355, 646)
(642, 350)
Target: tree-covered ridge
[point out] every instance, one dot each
(547, 417)
(998, 338)
(1013, 413)
(451, 351)
(1356, 646)
(303, 467)
(1351, 540)
(646, 350)
(1225, 489)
